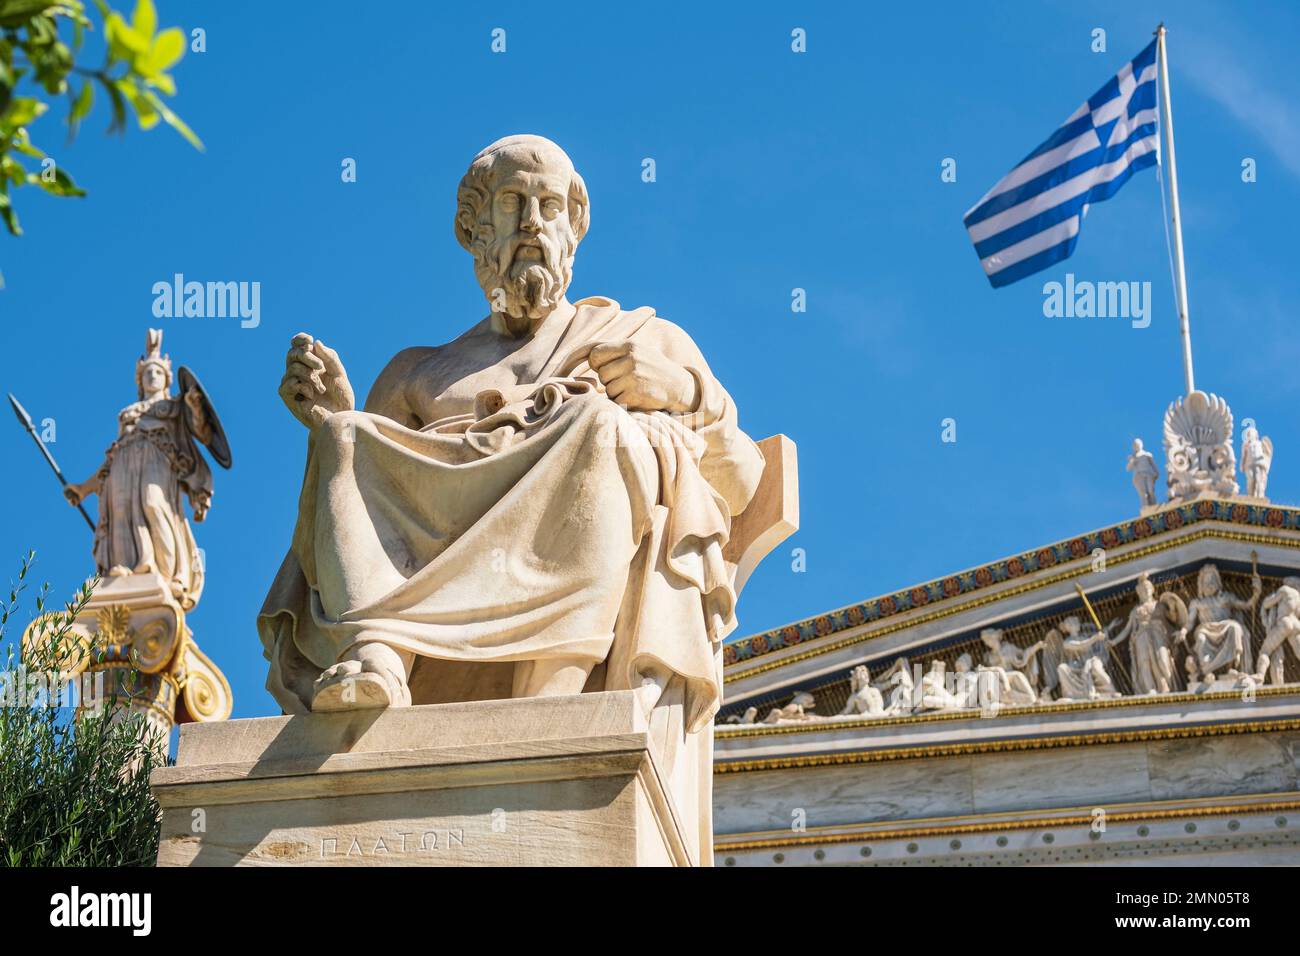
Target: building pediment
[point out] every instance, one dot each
(1031, 588)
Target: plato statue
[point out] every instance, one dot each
(538, 507)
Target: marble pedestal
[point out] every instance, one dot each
(557, 781)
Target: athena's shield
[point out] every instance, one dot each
(1175, 610)
(217, 445)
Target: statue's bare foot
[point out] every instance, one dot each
(370, 675)
(118, 571)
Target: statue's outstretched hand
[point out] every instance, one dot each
(314, 386)
(77, 493)
(641, 377)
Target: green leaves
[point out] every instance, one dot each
(135, 78)
(7, 213)
(56, 182)
(73, 792)
(148, 53)
(81, 107)
(167, 50)
(174, 121)
(144, 21)
(21, 111)
(14, 12)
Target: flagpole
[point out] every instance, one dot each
(1180, 274)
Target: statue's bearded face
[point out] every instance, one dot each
(524, 254)
(521, 211)
(1207, 582)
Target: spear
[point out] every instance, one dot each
(1254, 573)
(26, 421)
(1110, 651)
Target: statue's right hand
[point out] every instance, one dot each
(73, 494)
(314, 385)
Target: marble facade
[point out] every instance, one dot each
(864, 736)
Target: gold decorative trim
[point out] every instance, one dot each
(1059, 707)
(867, 634)
(1038, 823)
(1005, 745)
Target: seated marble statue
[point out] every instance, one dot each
(1077, 660)
(898, 685)
(864, 699)
(1220, 639)
(538, 507)
(1017, 667)
(941, 691)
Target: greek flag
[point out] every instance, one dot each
(1031, 219)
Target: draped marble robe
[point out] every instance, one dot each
(142, 524)
(523, 515)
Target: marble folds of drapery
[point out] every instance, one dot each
(550, 523)
(142, 520)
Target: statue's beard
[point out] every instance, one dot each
(524, 288)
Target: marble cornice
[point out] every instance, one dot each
(732, 732)
(1004, 745)
(864, 833)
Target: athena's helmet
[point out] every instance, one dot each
(152, 356)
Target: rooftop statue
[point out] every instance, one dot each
(1143, 465)
(1198, 447)
(1256, 459)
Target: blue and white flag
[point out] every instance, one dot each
(1031, 219)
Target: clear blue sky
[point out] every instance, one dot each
(775, 171)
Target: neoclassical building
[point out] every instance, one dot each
(1129, 695)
